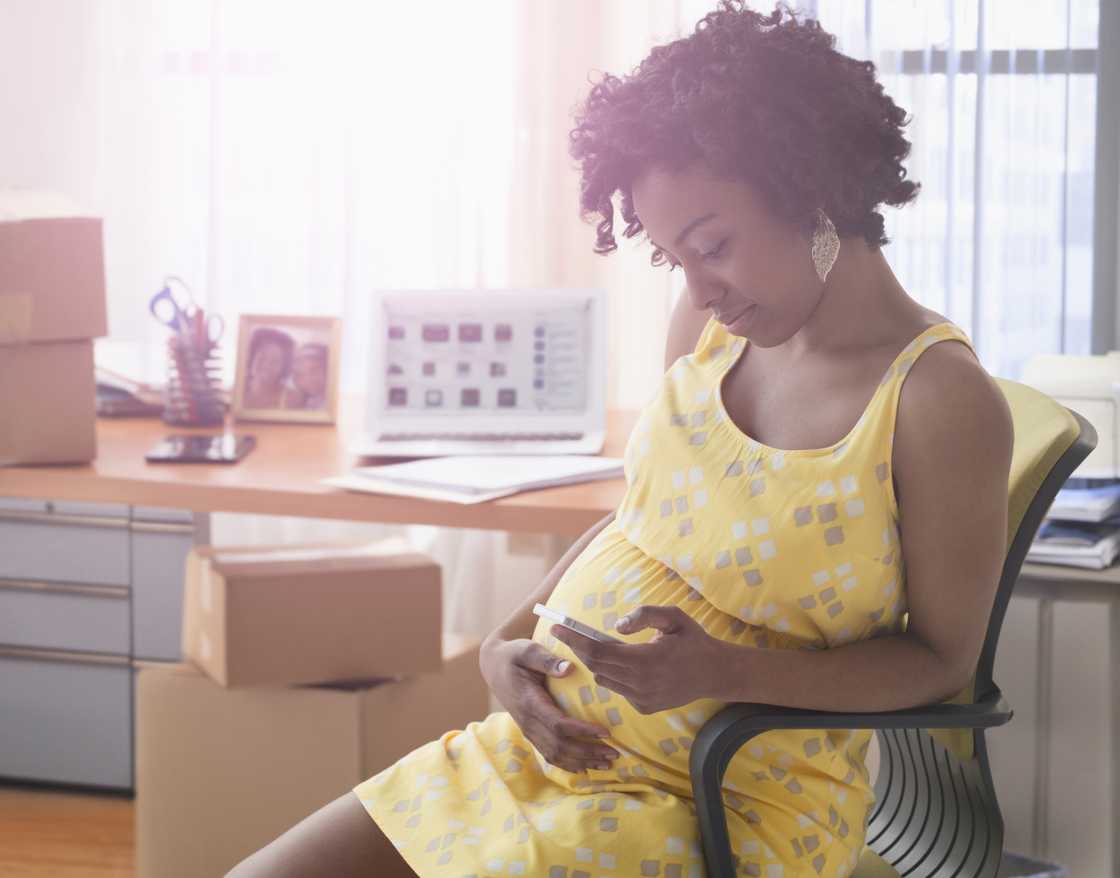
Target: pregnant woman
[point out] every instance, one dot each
(814, 515)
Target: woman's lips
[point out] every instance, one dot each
(738, 315)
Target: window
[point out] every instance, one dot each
(1003, 99)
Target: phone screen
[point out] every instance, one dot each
(574, 624)
(185, 448)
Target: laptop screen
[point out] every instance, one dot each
(479, 354)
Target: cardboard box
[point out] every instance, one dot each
(310, 614)
(52, 304)
(222, 772)
(52, 270)
(47, 403)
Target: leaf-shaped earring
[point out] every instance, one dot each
(825, 246)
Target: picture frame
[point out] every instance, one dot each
(287, 369)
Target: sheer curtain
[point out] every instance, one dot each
(289, 158)
(1003, 100)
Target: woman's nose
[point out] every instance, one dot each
(703, 293)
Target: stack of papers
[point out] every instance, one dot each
(1076, 544)
(1086, 504)
(476, 479)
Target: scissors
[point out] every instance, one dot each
(176, 310)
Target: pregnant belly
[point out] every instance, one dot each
(610, 578)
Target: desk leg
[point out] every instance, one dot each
(201, 528)
(1043, 684)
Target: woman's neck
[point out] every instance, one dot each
(862, 304)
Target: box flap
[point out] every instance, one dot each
(253, 561)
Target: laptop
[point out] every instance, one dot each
(486, 372)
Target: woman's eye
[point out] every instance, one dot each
(715, 251)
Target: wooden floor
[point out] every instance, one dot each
(54, 833)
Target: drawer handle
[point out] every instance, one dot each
(58, 655)
(99, 591)
(64, 518)
(165, 527)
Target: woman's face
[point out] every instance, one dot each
(267, 367)
(754, 272)
(309, 374)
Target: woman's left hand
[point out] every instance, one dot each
(679, 665)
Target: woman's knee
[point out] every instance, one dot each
(340, 839)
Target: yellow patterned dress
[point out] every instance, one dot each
(764, 548)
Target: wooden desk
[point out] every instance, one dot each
(281, 477)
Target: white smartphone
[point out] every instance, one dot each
(575, 625)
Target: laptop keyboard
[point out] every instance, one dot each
(479, 437)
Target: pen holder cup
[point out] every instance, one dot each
(194, 395)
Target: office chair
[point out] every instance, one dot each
(936, 813)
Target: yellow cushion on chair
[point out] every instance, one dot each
(871, 865)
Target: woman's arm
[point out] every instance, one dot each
(685, 326)
(522, 622)
(885, 673)
(952, 457)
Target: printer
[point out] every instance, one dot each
(1090, 385)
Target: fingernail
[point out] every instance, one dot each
(610, 754)
(621, 623)
(563, 666)
(603, 734)
(603, 766)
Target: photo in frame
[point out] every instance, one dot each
(287, 368)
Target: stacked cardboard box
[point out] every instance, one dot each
(309, 670)
(52, 306)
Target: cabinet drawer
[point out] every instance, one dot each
(64, 548)
(20, 504)
(82, 507)
(162, 513)
(65, 721)
(159, 555)
(56, 616)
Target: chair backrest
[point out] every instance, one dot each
(936, 811)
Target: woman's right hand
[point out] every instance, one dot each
(516, 670)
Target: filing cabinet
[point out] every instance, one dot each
(84, 589)
(66, 717)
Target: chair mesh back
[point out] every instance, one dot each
(935, 815)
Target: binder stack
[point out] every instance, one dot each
(1082, 527)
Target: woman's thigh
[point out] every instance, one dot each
(340, 839)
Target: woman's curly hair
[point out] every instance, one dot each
(763, 99)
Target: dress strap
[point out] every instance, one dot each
(944, 331)
(713, 341)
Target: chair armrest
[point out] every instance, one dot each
(722, 736)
